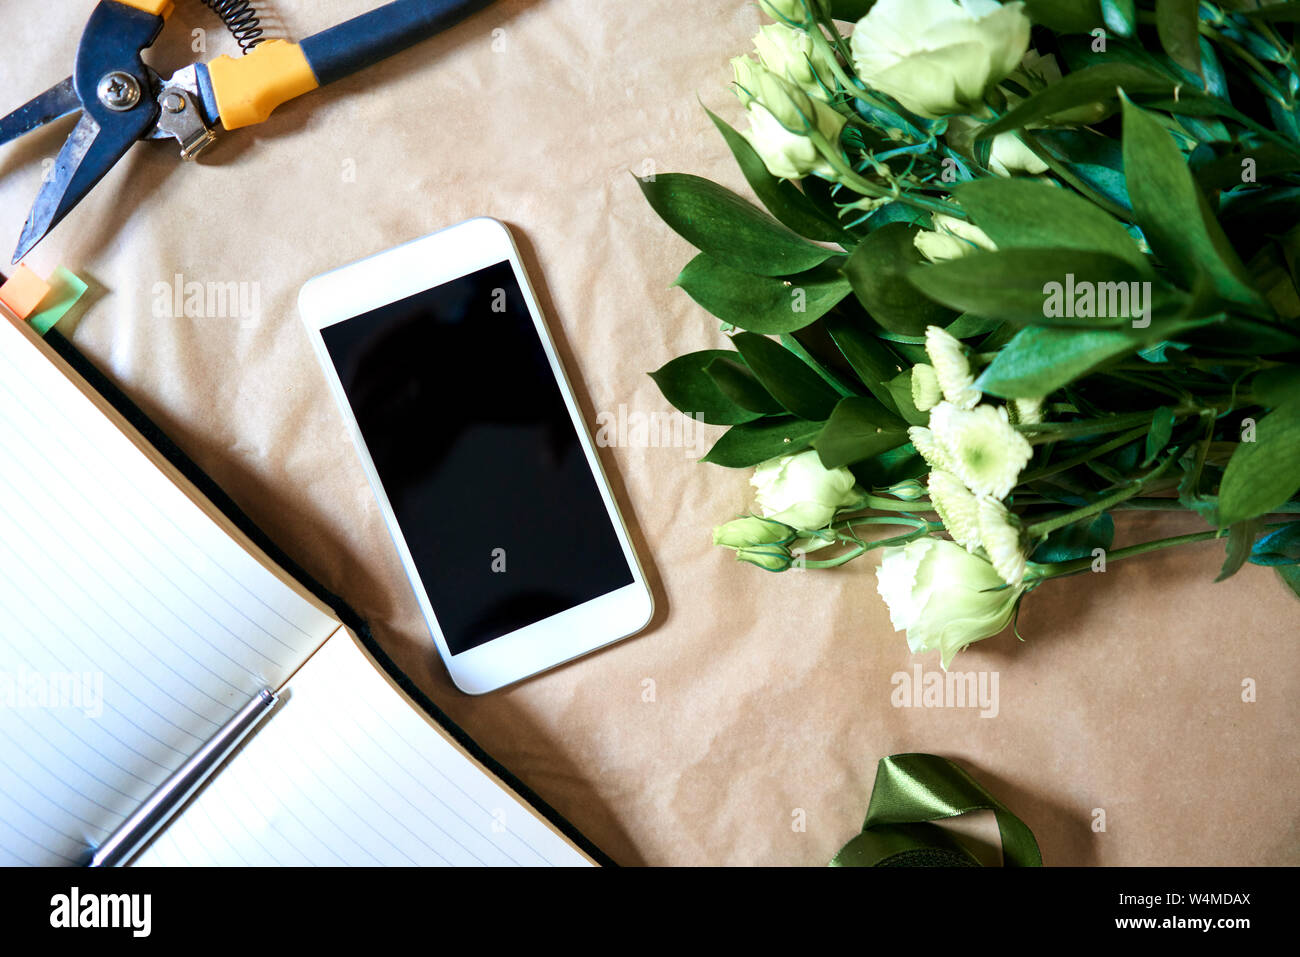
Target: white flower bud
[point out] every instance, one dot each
(799, 491)
(791, 53)
(951, 238)
(780, 117)
(999, 532)
(951, 368)
(957, 508)
(926, 392)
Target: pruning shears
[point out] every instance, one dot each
(122, 100)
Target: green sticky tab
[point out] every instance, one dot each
(65, 290)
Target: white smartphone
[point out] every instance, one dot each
(438, 357)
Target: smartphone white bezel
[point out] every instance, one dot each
(391, 276)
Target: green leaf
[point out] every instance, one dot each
(850, 11)
(859, 428)
(1281, 547)
(781, 197)
(870, 358)
(1036, 286)
(876, 270)
(734, 380)
(900, 388)
(1094, 84)
(1275, 13)
(1263, 474)
(1018, 213)
(1065, 16)
(1272, 387)
(742, 446)
(1162, 430)
(1120, 16)
(1241, 537)
(1040, 359)
(762, 304)
(685, 384)
(1077, 540)
(812, 362)
(792, 383)
(1173, 214)
(718, 222)
(1290, 575)
(1176, 23)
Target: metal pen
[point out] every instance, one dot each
(153, 814)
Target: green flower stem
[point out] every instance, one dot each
(1041, 432)
(1048, 525)
(1061, 569)
(1122, 439)
(846, 175)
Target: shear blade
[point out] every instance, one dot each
(55, 103)
(89, 153)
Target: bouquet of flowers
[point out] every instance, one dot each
(1022, 265)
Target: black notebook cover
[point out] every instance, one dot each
(170, 451)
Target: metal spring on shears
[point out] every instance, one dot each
(239, 18)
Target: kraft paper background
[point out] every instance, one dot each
(771, 693)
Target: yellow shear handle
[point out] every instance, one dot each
(249, 88)
(159, 8)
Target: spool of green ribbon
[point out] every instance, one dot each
(911, 790)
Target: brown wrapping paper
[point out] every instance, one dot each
(771, 693)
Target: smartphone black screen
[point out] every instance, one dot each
(478, 455)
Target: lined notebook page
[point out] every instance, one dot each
(132, 625)
(347, 770)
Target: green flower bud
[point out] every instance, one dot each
(752, 530)
(773, 558)
(908, 491)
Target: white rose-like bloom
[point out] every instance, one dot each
(1007, 155)
(779, 114)
(943, 596)
(951, 238)
(791, 53)
(951, 368)
(926, 391)
(1000, 536)
(981, 447)
(797, 490)
(957, 508)
(938, 57)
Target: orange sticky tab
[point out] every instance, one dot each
(24, 292)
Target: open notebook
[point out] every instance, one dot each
(136, 617)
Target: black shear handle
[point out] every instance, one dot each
(369, 38)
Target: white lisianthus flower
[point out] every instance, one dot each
(951, 368)
(925, 442)
(957, 508)
(981, 447)
(999, 532)
(938, 57)
(1007, 155)
(779, 118)
(746, 73)
(926, 391)
(797, 490)
(791, 53)
(943, 596)
(951, 238)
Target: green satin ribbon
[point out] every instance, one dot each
(910, 791)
